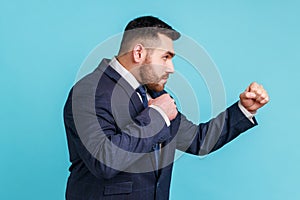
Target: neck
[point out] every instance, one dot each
(126, 61)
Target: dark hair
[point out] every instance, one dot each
(154, 24)
(145, 28)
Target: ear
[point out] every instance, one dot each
(139, 53)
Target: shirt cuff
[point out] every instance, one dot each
(162, 113)
(248, 114)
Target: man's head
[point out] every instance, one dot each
(147, 51)
(145, 30)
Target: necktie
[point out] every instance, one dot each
(142, 91)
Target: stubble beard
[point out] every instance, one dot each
(150, 78)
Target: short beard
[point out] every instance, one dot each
(148, 77)
(155, 87)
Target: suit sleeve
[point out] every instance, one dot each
(212, 135)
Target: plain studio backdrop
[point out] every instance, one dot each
(44, 43)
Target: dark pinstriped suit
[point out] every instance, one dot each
(101, 139)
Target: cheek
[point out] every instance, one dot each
(149, 73)
(158, 69)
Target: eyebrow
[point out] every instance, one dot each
(172, 54)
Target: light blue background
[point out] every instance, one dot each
(43, 43)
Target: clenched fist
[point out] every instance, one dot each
(254, 97)
(167, 104)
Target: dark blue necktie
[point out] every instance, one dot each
(142, 91)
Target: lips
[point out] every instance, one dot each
(165, 77)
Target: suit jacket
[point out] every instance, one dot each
(111, 139)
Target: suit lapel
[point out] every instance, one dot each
(121, 82)
(109, 71)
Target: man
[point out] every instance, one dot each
(123, 128)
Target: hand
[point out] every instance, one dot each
(167, 104)
(254, 97)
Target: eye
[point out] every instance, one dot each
(165, 57)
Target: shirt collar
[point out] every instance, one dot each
(116, 65)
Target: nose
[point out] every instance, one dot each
(170, 67)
